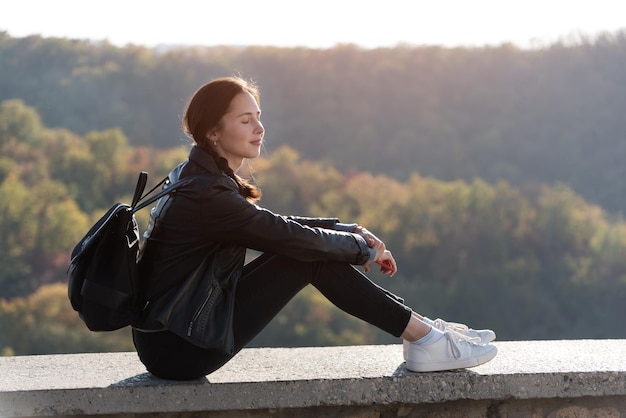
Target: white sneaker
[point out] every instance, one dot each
(482, 336)
(452, 351)
(485, 335)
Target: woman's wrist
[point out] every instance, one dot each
(373, 255)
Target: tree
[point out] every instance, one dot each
(44, 323)
(18, 238)
(19, 121)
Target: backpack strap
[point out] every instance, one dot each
(141, 185)
(172, 188)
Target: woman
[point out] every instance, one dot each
(215, 219)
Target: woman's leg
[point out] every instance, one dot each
(267, 284)
(270, 282)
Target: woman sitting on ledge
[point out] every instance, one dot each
(212, 221)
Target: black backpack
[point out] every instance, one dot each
(104, 286)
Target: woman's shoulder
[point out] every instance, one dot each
(211, 186)
(203, 178)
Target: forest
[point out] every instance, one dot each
(497, 175)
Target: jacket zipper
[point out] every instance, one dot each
(199, 310)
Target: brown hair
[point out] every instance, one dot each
(204, 113)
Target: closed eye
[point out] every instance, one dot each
(247, 115)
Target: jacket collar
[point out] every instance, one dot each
(203, 159)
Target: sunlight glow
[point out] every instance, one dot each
(318, 24)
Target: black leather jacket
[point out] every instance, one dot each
(208, 217)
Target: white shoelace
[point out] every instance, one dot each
(455, 338)
(442, 325)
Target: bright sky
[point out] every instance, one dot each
(314, 23)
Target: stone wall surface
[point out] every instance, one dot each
(567, 378)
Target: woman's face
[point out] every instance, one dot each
(240, 133)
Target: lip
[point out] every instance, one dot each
(257, 142)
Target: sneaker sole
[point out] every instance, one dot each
(453, 364)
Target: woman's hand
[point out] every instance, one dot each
(371, 239)
(387, 263)
(384, 258)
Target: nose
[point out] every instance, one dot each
(259, 127)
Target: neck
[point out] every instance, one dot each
(235, 164)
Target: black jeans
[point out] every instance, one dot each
(267, 284)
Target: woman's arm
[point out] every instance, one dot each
(227, 217)
(328, 223)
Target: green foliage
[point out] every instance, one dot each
(44, 323)
(53, 186)
(18, 236)
(499, 113)
(19, 121)
(476, 167)
(524, 262)
(293, 185)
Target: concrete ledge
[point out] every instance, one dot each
(341, 381)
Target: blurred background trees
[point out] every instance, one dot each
(495, 175)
